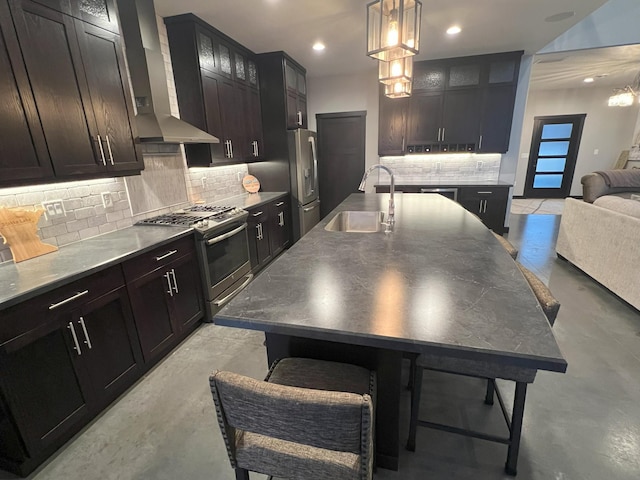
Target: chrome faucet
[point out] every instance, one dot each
(391, 215)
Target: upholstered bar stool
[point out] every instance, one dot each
(508, 246)
(309, 419)
(489, 371)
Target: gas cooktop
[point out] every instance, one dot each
(203, 218)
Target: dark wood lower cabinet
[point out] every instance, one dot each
(269, 231)
(279, 225)
(68, 353)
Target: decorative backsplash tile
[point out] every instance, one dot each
(455, 166)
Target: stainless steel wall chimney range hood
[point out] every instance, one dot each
(148, 78)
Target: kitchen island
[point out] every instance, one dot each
(440, 283)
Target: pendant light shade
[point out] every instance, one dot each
(398, 90)
(399, 70)
(393, 29)
(622, 97)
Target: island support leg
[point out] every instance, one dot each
(516, 428)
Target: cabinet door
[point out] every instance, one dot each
(391, 125)
(279, 226)
(497, 113)
(488, 203)
(425, 113)
(258, 232)
(23, 152)
(41, 385)
(104, 64)
(211, 88)
(461, 117)
(110, 348)
(302, 112)
(231, 105)
(150, 299)
(54, 67)
(240, 127)
(293, 117)
(187, 298)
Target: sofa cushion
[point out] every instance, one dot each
(622, 205)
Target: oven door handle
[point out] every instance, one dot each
(221, 301)
(227, 235)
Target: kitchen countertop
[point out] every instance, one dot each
(439, 283)
(25, 280)
(448, 182)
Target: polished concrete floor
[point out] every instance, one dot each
(583, 425)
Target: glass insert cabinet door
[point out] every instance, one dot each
(553, 155)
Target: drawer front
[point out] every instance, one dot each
(157, 258)
(484, 192)
(35, 314)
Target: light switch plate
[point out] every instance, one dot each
(54, 209)
(107, 199)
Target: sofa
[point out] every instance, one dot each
(602, 236)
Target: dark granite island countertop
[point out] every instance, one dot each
(439, 283)
(24, 280)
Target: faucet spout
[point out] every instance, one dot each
(391, 215)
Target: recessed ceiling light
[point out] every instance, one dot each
(454, 30)
(318, 46)
(589, 80)
(558, 17)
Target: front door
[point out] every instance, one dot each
(553, 155)
(341, 144)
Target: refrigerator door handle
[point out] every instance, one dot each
(314, 155)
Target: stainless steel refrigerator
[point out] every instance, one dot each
(292, 166)
(303, 174)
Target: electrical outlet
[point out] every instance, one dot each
(438, 164)
(203, 180)
(107, 199)
(54, 209)
(239, 175)
(479, 165)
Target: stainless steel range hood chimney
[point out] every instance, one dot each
(149, 80)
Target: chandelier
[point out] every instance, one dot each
(624, 97)
(393, 37)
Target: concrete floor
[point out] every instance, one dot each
(583, 425)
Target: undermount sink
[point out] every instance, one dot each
(356, 222)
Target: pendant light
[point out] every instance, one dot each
(398, 90)
(624, 97)
(393, 29)
(398, 70)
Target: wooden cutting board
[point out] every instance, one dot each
(19, 228)
(250, 183)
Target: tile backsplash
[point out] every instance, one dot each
(443, 167)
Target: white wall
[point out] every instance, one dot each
(348, 93)
(606, 129)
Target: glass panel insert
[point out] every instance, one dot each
(205, 53)
(551, 164)
(553, 149)
(225, 59)
(240, 73)
(556, 130)
(97, 8)
(547, 181)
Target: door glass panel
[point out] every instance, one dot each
(240, 73)
(253, 73)
(547, 181)
(556, 130)
(464, 75)
(205, 53)
(551, 164)
(97, 8)
(553, 149)
(225, 59)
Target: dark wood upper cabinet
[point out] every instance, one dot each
(458, 105)
(23, 151)
(217, 86)
(102, 13)
(72, 74)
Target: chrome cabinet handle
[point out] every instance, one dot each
(403, 143)
(256, 214)
(258, 231)
(231, 148)
(175, 282)
(279, 204)
(439, 133)
(485, 206)
(281, 222)
(168, 254)
(480, 207)
(443, 130)
(310, 208)
(109, 150)
(104, 160)
(485, 193)
(170, 291)
(70, 299)
(75, 338)
(257, 149)
(299, 117)
(480, 143)
(84, 330)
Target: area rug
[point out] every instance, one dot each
(538, 206)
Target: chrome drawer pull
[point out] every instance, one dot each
(104, 161)
(109, 150)
(162, 257)
(75, 338)
(256, 214)
(279, 204)
(167, 276)
(70, 299)
(175, 282)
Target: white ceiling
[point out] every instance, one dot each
(489, 26)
